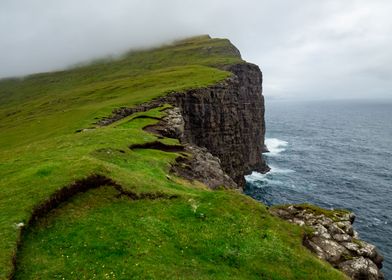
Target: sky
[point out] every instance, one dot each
(326, 49)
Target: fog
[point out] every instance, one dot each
(306, 49)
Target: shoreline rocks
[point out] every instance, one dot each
(331, 237)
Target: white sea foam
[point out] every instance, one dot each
(259, 180)
(275, 146)
(277, 170)
(255, 176)
(267, 178)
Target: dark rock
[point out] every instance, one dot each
(228, 120)
(198, 163)
(204, 167)
(378, 259)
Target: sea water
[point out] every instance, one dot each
(335, 154)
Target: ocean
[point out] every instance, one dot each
(335, 154)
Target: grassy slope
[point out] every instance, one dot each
(201, 234)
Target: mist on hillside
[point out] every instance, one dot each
(313, 49)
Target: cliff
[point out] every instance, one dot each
(126, 196)
(228, 120)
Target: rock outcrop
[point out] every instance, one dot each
(332, 238)
(197, 163)
(202, 166)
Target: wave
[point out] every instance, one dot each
(255, 176)
(277, 170)
(275, 146)
(260, 180)
(267, 178)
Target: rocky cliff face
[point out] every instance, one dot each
(228, 120)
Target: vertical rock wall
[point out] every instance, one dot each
(228, 120)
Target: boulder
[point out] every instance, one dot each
(361, 268)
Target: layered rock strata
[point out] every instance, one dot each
(228, 120)
(332, 238)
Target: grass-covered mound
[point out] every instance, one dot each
(146, 224)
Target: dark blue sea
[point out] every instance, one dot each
(335, 154)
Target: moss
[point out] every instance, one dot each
(347, 257)
(358, 242)
(335, 214)
(309, 231)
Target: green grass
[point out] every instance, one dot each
(201, 234)
(68, 110)
(207, 235)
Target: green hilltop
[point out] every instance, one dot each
(146, 225)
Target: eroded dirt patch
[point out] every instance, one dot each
(64, 194)
(146, 117)
(156, 145)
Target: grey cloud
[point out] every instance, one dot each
(309, 49)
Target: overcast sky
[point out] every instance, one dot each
(307, 48)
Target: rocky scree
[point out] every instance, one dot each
(332, 238)
(196, 163)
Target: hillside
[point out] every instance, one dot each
(83, 201)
